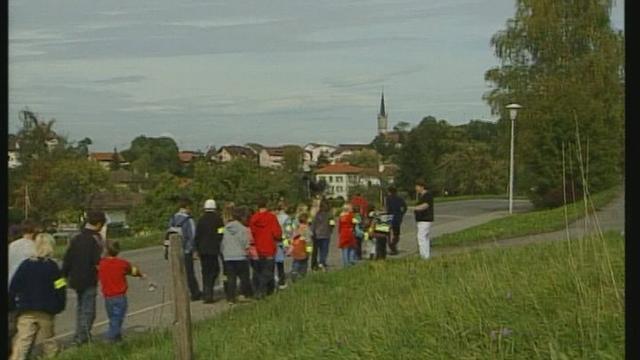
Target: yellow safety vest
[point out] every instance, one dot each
(60, 283)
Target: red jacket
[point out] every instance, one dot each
(362, 203)
(266, 232)
(112, 273)
(346, 238)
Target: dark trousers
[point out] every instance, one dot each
(314, 255)
(210, 271)
(395, 237)
(321, 247)
(234, 270)
(264, 274)
(299, 269)
(85, 314)
(282, 277)
(381, 246)
(192, 282)
(359, 248)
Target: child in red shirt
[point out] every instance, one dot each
(347, 240)
(112, 272)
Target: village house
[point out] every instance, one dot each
(13, 161)
(231, 152)
(344, 150)
(316, 150)
(340, 177)
(116, 205)
(187, 157)
(271, 157)
(106, 158)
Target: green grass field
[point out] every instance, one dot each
(555, 300)
(516, 225)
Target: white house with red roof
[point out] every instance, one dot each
(340, 177)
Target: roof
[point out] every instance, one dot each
(104, 156)
(187, 156)
(319, 145)
(236, 150)
(114, 200)
(274, 151)
(382, 111)
(353, 147)
(340, 168)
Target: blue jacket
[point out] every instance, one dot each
(188, 230)
(38, 285)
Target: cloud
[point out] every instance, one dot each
(121, 80)
(360, 80)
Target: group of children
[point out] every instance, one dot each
(363, 235)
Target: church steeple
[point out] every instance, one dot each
(382, 117)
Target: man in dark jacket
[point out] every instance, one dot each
(80, 267)
(397, 207)
(208, 237)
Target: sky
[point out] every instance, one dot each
(238, 71)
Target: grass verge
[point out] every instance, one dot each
(126, 243)
(555, 300)
(516, 225)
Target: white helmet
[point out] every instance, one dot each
(210, 204)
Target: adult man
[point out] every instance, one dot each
(208, 237)
(80, 268)
(397, 207)
(183, 220)
(19, 251)
(424, 218)
(266, 232)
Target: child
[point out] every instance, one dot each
(301, 248)
(112, 273)
(234, 247)
(37, 292)
(369, 243)
(358, 231)
(346, 238)
(285, 216)
(381, 226)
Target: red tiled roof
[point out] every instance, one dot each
(187, 156)
(104, 156)
(340, 168)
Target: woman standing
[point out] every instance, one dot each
(321, 228)
(347, 240)
(39, 292)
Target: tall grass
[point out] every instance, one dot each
(535, 301)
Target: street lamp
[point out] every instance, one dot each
(513, 112)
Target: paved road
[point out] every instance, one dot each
(150, 309)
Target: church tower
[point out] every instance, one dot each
(382, 117)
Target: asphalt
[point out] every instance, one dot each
(152, 310)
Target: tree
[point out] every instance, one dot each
(115, 164)
(366, 158)
(402, 126)
(153, 155)
(292, 159)
(565, 64)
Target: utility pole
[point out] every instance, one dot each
(182, 339)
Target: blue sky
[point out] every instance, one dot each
(223, 72)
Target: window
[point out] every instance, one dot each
(339, 188)
(322, 178)
(330, 178)
(339, 179)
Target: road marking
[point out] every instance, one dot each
(137, 312)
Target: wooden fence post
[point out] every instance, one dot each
(182, 340)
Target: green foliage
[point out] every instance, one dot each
(159, 203)
(565, 64)
(366, 158)
(537, 301)
(471, 170)
(517, 225)
(153, 155)
(292, 159)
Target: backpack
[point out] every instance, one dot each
(174, 229)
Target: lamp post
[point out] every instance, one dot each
(513, 112)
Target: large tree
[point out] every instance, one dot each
(564, 63)
(153, 155)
